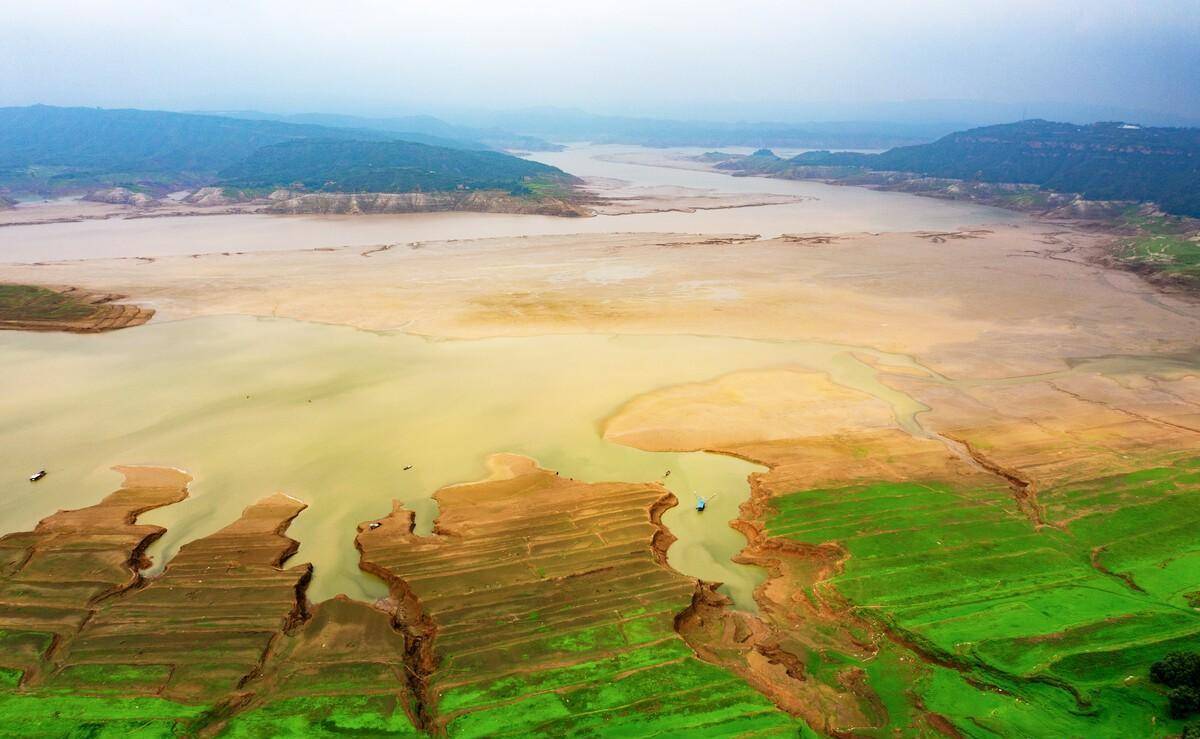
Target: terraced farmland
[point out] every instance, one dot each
(537, 607)
(539, 604)
(1021, 630)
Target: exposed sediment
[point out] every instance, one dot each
(1015, 555)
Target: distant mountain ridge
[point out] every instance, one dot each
(1100, 161)
(51, 151)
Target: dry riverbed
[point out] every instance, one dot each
(947, 467)
(999, 301)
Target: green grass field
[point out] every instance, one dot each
(646, 681)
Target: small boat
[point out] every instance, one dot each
(37, 475)
(700, 504)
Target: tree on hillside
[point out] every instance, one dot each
(1183, 701)
(1180, 671)
(1177, 669)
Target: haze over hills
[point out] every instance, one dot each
(561, 124)
(466, 137)
(831, 125)
(952, 114)
(793, 124)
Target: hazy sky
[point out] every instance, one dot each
(633, 56)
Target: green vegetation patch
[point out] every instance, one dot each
(517, 685)
(672, 699)
(633, 676)
(319, 716)
(115, 678)
(1062, 624)
(10, 678)
(25, 647)
(1172, 254)
(548, 187)
(32, 303)
(89, 716)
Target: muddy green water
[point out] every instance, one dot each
(332, 415)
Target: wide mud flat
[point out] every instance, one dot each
(993, 301)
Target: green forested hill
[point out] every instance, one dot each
(384, 166)
(1101, 161)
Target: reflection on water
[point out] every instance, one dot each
(831, 209)
(332, 416)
